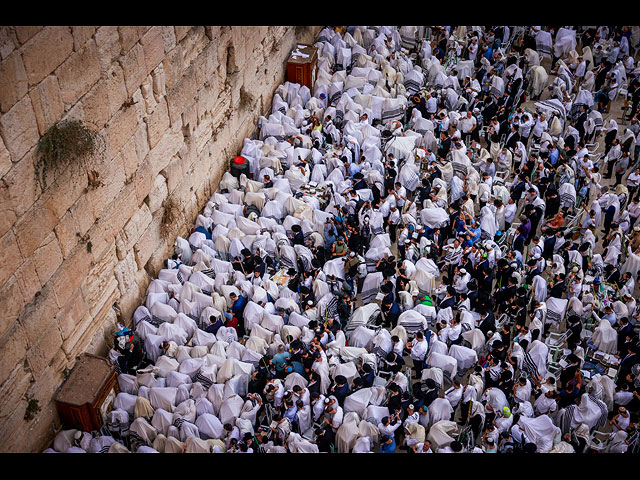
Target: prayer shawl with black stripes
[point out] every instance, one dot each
(591, 411)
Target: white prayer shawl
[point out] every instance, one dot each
(447, 364)
(604, 337)
(591, 412)
(541, 431)
(539, 288)
(442, 433)
(440, 409)
(632, 263)
(466, 357)
(544, 44)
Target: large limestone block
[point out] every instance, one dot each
(78, 73)
(45, 51)
(47, 103)
(19, 128)
(47, 258)
(13, 81)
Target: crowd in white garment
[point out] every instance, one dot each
(421, 254)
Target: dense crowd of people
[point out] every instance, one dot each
(433, 249)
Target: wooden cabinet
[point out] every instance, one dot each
(87, 395)
(302, 65)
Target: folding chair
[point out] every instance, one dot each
(598, 440)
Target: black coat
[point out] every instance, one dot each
(512, 140)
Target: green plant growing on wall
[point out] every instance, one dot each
(33, 407)
(66, 141)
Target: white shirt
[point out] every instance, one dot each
(540, 127)
(510, 212)
(419, 349)
(454, 395)
(388, 429)
(466, 124)
(413, 418)
(473, 51)
(420, 448)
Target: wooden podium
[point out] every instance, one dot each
(302, 65)
(87, 395)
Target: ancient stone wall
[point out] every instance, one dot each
(172, 105)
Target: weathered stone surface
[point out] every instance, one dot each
(45, 51)
(11, 302)
(68, 234)
(158, 193)
(153, 44)
(181, 32)
(116, 88)
(158, 122)
(78, 73)
(120, 129)
(71, 273)
(34, 226)
(25, 32)
(182, 95)
(83, 214)
(10, 254)
(113, 220)
(135, 69)
(168, 37)
(13, 81)
(151, 236)
(125, 273)
(131, 232)
(173, 66)
(147, 94)
(108, 42)
(166, 148)
(38, 314)
(28, 280)
(100, 283)
(18, 190)
(128, 37)
(5, 159)
(159, 82)
(13, 347)
(19, 128)
(13, 392)
(8, 41)
(47, 103)
(95, 105)
(48, 345)
(71, 314)
(47, 258)
(70, 183)
(81, 34)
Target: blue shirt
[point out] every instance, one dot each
(354, 168)
(476, 232)
(280, 359)
(291, 414)
(238, 306)
(388, 447)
